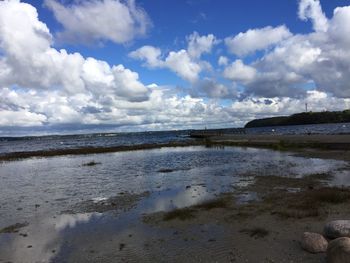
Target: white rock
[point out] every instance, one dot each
(337, 228)
(314, 243)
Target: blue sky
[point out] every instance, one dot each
(154, 65)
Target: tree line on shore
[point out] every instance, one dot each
(302, 118)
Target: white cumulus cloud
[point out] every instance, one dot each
(256, 39)
(238, 71)
(197, 45)
(31, 62)
(151, 55)
(99, 20)
(320, 57)
(311, 9)
(186, 63)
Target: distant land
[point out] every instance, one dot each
(302, 118)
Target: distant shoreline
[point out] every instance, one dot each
(304, 118)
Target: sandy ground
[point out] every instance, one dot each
(319, 141)
(268, 230)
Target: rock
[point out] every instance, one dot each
(337, 228)
(339, 250)
(314, 243)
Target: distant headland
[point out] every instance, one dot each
(302, 118)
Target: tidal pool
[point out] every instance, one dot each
(48, 192)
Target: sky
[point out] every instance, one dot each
(73, 66)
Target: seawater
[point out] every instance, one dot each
(53, 142)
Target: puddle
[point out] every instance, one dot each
(289, 189)
(247, 197)
(59, 238)
(341, 178)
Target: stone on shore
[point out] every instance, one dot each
(314, 243)
(337, 228)
(339, 250)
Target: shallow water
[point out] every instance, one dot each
(39, 190)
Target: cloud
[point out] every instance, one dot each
(223, 61)
(339, 31)
(151, 56)
(186, 63)
(197, 45)
(238, 71)
(100, 20)
(31, 62)
(59, 84)
(260, 107)
(210, 88)
(320, 58)
(266, 78)
(311, 9)
(263, 82)
(256, 39)
(182, 64)
(20, 118)
(42, 86)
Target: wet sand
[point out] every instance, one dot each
(268, 230)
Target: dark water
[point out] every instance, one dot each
(40, 190)
(36, 143)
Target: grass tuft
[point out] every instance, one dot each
(332, 195)
(256, 232)
(181, 214)
(13, 228)
(188, 212)
(91, 163)
(166, 170)
(307, 203)
(211, 204)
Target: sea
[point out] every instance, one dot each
(54, 142)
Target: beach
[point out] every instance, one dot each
(231, 198)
